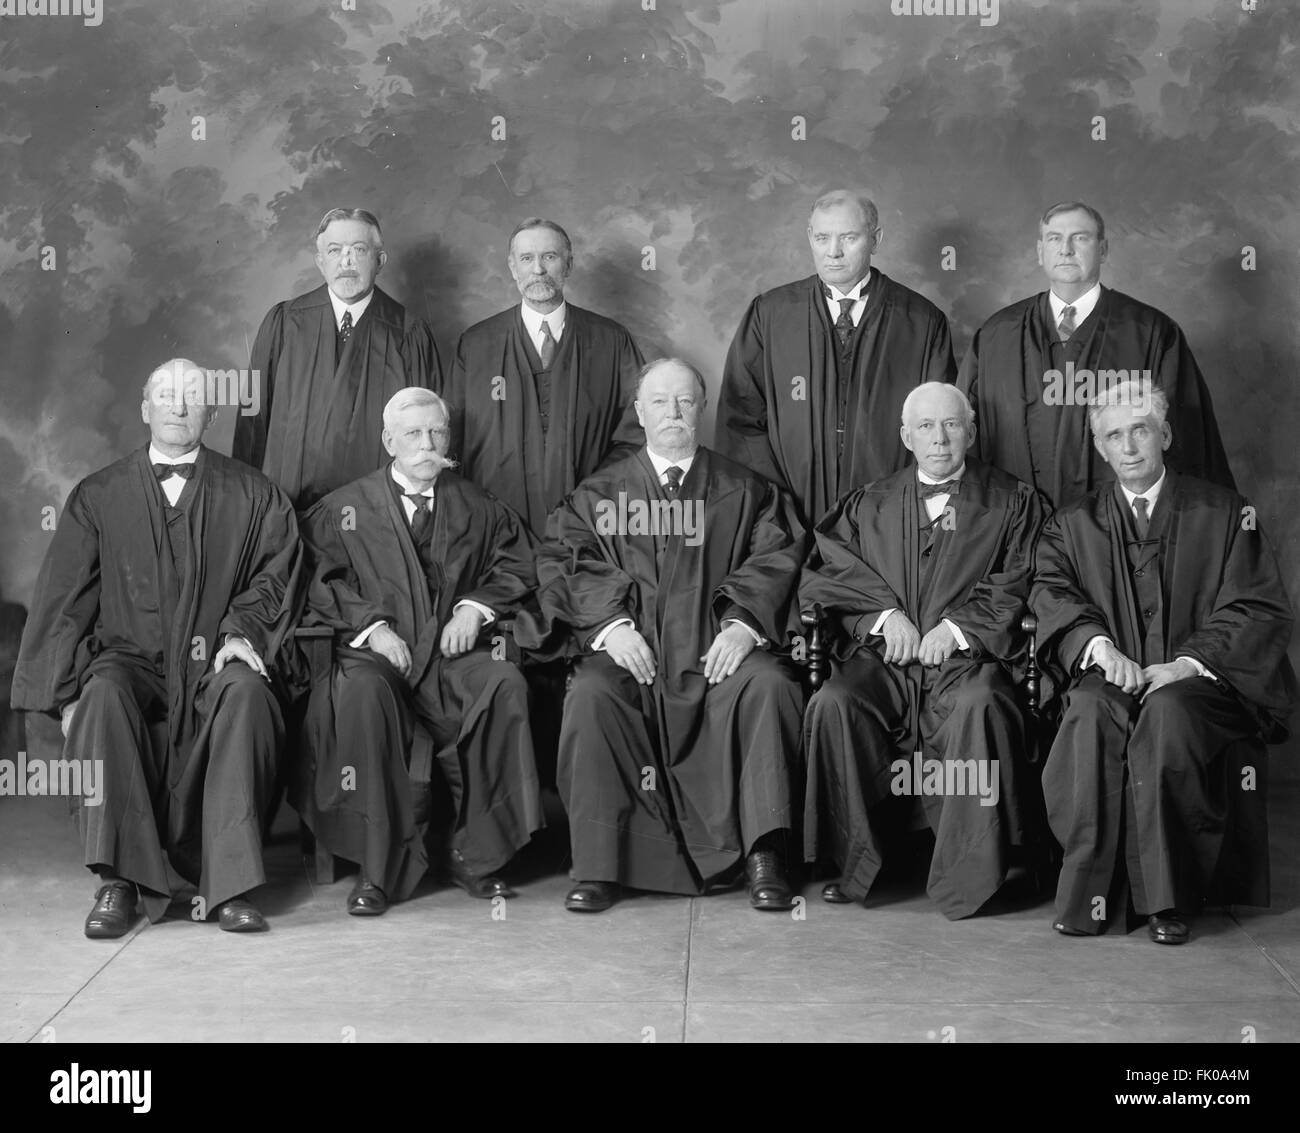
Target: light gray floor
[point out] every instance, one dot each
(440, 967)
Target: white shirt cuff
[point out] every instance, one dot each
(359, 642)
(488, 616)
(598, 642)
(961, 637)
(1201, 670)
(1090, 649)
(880, 621)
(759, 639)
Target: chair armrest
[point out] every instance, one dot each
(818, 659)
(1029, 625)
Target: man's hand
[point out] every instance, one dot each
(459, 634)
(390, 646)
(1117, 668)
(937, 646)
(728, 650)
(902, 639)
(1157, 676)
(628, 650)
(237, 649)
(65, 717)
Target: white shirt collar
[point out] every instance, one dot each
(406, 485)
(358, 308)
(1150, 495)
(661, 463)
(926, 478)
(156, 457)
(1082, 306)
(554, 321)
(857, 293)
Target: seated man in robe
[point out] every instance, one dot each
(1163, 618)
(165, 595)
(410, 566)
(927, 571)
(675, 568)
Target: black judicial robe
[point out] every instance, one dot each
(1050, 446)
(320, 421)
(498, 432)
(779, 411)
(1224, 601)
(748, 560)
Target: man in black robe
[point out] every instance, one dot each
(1034, 367)
(325, 364)
(818, 368)
(927, 571)
(541, 393)
(1163, 618)
(674, 569)
(164, 597)
(411, 565)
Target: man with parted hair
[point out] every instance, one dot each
(328, 361)
(541, 392)
(818, 368)
(411, 566)
(1163, 621)
(926, 573)
(673, 572)
(159, 612)
(1033, 368)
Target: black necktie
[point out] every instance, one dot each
(1066, 326)
(1141, 520)
(674, 475)
(947, 488)
(422, 520)
(844, 324)
(184, 471)
(345, 329)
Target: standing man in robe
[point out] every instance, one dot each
(1162, 616)
(1022, 366)
(928, 573)
(411, 566)
(675, 569)
(328, 361)
(163, 599)
(817, 368)
(541, 393)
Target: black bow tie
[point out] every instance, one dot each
(947, 488)
(184, 471)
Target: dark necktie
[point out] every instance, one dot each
(674, 475)
(1066, 326)
(184, 471)
(1140, 517)
(547, 352)
(844, 324)
(946, 488)
(422, 519)
(345, 329)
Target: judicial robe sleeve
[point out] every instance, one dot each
(1197, 447)
(509, 576)
(334, 595)
(58, 641)
(419, 352)
(250, 431)
(628, 435)
(1067, 617)
(264, 611)
(742, 402)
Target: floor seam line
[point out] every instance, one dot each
(1263, 949)
(89, 980)
(686, 988)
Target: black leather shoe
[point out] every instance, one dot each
(240, 915)
(485, 887)
(366, 900)
(591, 896)
(1065, 930)
(768, 888)
(114, 911)
(832, 893)
(1167, 927)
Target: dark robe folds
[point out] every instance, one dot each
(320, 420)
(1036, 427)
(133, 602)
(876, 551)
(352, 788)
(531, 446)
(791, 411)
(669, 785)
(1170, 786)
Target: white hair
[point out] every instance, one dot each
(1146, 398)
(929, 387)
(411, 398)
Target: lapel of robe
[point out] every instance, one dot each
(861, 460)
(950, 576)
(382, 502)
(533, 446)
(821, 409)
(678, 556)
(561, 443)
(1114, 586)
(1178, 601)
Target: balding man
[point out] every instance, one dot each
(166, 592)
(927, 574)
(673, 570)
(328, 361)
(1035, 366)
(1163, 618)
(818, 368)
(411, 566)
(542, 391)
